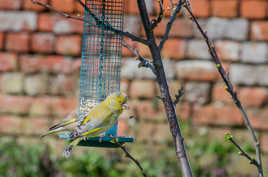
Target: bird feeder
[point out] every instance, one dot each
(101, 62)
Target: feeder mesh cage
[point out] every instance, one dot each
(101, 52)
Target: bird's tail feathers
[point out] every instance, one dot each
(52, 131)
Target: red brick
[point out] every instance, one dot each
(228, 50)
(125, 50)
(63, 106)
(148, 110)
(79, 8)
(41, 107)
(181, 28)
(145, 131)
(34, 125)
(142, 89)
(58, 24)
(220, 94)
(217, 115)
(253, 97)
(76, 64)
(123, 128)
(132, 7)
(196, 70)
(224, 8)
(8, 61)
(10, 124)
(63, 85)
(1, 40)
(43, 42)
(28, 5)
(264, 142)
(174, 48)
(260, 9)
(259, 30)
(143, 50)
(63, 5)
(124, 85)
(183, 111)
(161, 133)
(18, 42)
(10, 5)
(55, 64)
(68, 45)
(46, 22)
(14, 104)
(201, 8)
(258, 118)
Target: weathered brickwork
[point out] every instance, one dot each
(40, 60)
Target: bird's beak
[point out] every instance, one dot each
(125, 106)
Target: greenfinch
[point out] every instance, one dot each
(99, 120)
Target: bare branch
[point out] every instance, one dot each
(128, 155)
(156, 21)
(178, 96)
(143, 62)
(56, 11)
(241, 151)
(164, 93)
(230, 89)
(169, 24)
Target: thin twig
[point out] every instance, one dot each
(178, 96)
(128, 155)
(56, 11)
(109, 27)
(169, 24)
(156, 21)
(229, 88)
(242, 152)
(143, 62)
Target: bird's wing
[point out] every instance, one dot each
(71, 118)
(99, 119)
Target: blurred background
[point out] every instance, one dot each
(39, 83)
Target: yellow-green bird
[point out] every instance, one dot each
(100, 119)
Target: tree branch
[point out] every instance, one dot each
(241, 151)
(128, 155)
(229, 89)
(143, 62)
(178, 96)
(169, 24)
(165, 95)
(56, 11)
(156, 21)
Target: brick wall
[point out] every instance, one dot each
(40, 60)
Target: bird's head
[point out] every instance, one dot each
(117, 101)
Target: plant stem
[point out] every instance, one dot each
(230, 90)
(165, 95)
